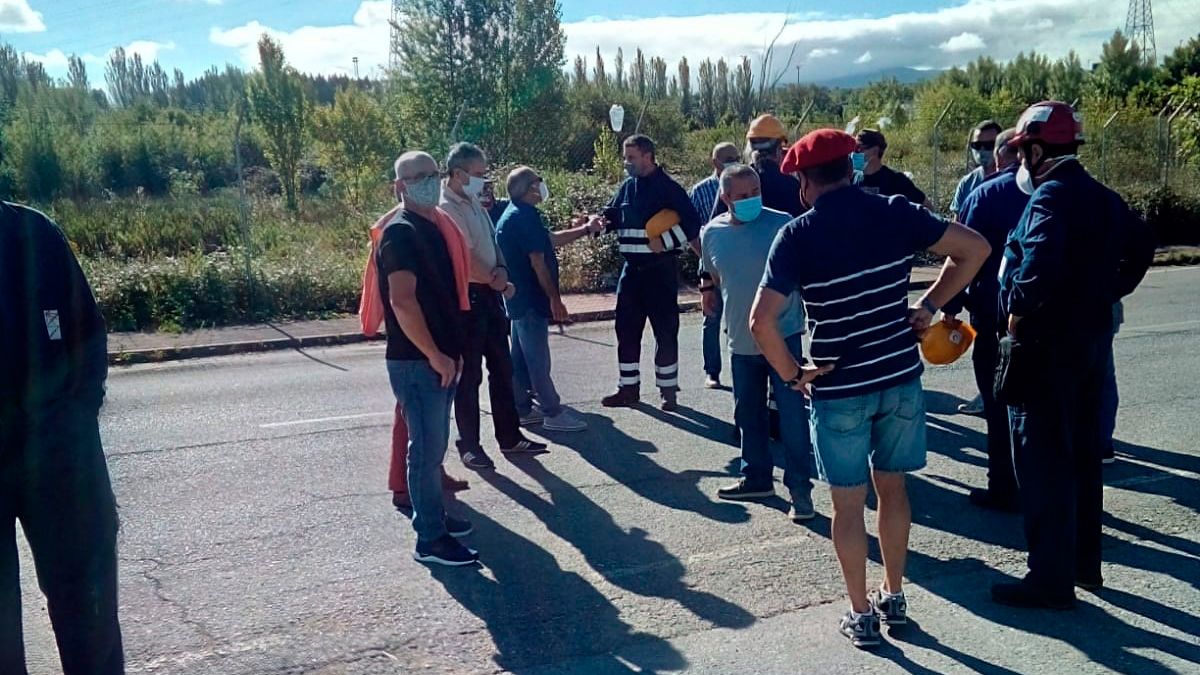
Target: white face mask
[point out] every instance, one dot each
(1025, 180)
(544, 191)
(474, 186)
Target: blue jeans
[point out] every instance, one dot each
(751, 376)
(426, 408)
(881, 431)
(531, 365)
(711, 339)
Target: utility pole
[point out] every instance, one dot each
(1139, 27)
(355, 60)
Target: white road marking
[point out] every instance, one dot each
(1179, 268)
(318, 420)
(1161, 326)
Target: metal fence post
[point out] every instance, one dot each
(1104, 147)
(242, 217)
(1169, 150)
(937, 149)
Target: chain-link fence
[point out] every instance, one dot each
(210, 241)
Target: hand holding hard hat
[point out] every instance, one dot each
(946, 341)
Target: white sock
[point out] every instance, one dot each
(858, 615)
(885, 595)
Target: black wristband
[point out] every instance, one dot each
(928, 305)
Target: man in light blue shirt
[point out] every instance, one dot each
(982, 146)
(734, 250)
(704, 197)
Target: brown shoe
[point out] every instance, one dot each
(401, 501)
(454, 484)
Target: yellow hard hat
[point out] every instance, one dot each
(660, 222)
(767, 126)
(945, 342)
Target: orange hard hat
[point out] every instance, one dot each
(945, 342)
(660, 222)
(767, 126)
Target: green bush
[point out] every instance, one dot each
(1174, 217)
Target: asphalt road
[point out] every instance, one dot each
(258, 535)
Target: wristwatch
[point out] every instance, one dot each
(928, 305)
(795, 381)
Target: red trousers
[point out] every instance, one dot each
(398, 471)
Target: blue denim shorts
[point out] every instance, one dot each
(883, 430)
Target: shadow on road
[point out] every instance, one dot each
(625, 460)
(539, 614)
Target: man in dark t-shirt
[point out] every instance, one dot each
(874, 177)
(424, 302)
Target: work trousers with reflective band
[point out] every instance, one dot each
(1056, 453)
(649, 292)
(53, 478)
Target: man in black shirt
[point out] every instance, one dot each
(422, 261)
(873, 177)
(53, 475)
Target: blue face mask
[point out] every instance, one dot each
(859, 160)
(748, 209)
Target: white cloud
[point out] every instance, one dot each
(17, 16)
(54, 60)
(823, 52)
(319, 49)
(865, 58)
(930, 39)
(963, 42)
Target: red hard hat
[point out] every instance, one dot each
(1051, 122)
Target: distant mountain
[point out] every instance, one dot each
(904, 75)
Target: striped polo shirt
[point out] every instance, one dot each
(636, 202)
(850, 259)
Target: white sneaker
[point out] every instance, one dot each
(564, 421)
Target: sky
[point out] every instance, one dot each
(825, 41)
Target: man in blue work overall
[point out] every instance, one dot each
(993, 210)
(53, 476)
(649, 285)
(1077, 250)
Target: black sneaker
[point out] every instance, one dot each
(476, 459)
(458, 527)
(525, 446)
(802, 507)
(993, 501)
(892, 610)
(863, 630)
(742, 491)
(447, 551)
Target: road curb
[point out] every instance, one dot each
(183, 352)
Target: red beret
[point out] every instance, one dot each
(816, 148)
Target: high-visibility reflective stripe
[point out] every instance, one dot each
(632, 234)
(667, 370)
(630, 366)
(673, 382)
(635, 248)
(635, 379)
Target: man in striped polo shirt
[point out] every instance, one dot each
(850, 257)
(649, 285)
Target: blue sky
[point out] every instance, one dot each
(829, 39)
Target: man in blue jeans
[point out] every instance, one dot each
(850, 258)
(734, 249)
(533, 268)
(424, 294)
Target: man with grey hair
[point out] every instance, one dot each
(530, 249)
(486, 336)
(703, 196)
(421, 262)
(734, 249)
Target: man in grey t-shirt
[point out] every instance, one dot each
(734, 249)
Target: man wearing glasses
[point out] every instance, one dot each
(982, 146)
